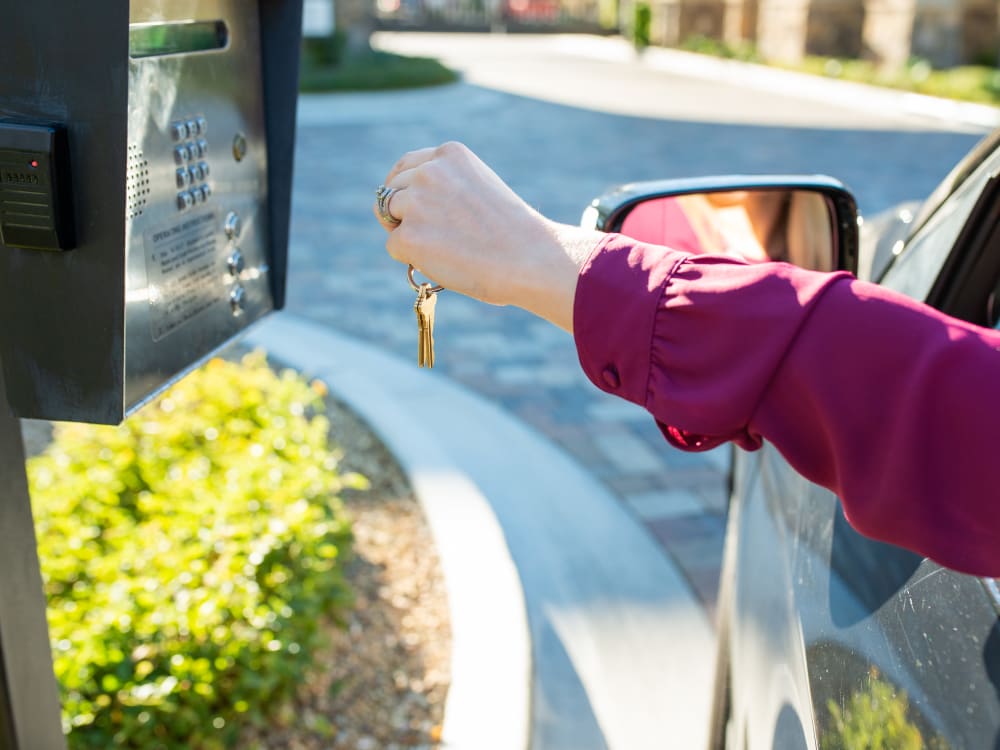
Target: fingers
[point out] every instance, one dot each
(387, 226)
(409, 161)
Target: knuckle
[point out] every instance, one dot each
(450, 148)
(400, 165)
(426, 174)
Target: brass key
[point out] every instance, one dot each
(424, 308)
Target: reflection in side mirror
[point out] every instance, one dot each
(808, 220)
(795, 226)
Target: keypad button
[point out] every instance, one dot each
(238, 300)
(202, 125)
(181, 154)
(183, 177)
(202, 147)
(199, 195)
(235, 263)
(206, 190)
(178, 131)
(196, 174)
(193, 129)
(204, 168)
(233, 225)
(184, 200)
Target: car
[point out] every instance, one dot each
(829, 640)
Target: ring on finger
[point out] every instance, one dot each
(382, 196)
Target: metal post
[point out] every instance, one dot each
(29, 698)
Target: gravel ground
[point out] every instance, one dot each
(382, 682)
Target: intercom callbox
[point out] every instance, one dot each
(145, 179)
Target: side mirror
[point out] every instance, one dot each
(809, 221)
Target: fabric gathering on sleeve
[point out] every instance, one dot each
(891, 405)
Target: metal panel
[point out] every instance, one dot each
(149, 291)
(61, 314)
(179, 283)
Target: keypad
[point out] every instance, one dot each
(189, 154)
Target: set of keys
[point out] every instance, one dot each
(424, 307)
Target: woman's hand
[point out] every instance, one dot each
(465, 229)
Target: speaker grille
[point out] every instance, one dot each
(136, 182)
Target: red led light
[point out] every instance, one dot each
(34, 163)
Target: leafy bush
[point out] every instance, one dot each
(968, 82)
(189, 557)
(875, 719)
(641, 25)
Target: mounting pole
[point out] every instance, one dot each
(29, 698)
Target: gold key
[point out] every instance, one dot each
(424, 308)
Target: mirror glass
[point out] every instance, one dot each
(796, 226)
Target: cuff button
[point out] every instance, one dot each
(610, 377)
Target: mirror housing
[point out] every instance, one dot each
(609, 212)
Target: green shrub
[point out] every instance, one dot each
(706, 45)
(324, 50)
(875, 719)
(641, 25)
(374, 71)
(189, 557)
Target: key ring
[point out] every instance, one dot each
(416, 287)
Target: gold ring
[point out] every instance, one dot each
(416, 286)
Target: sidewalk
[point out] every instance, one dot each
(790, 83)
(470, 53)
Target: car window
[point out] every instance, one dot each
(967, 166)
(917, 266)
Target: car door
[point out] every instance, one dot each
(835, 638)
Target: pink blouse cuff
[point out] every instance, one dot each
(614, 313)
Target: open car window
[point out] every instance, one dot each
(918, 264)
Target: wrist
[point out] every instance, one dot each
(548, 288)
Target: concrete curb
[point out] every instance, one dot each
(802, 85)
(571, 628)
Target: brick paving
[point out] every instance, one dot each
(558, 157)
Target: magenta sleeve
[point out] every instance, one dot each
(887, 402)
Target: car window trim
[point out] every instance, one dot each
(968, 275)
(954, 180)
